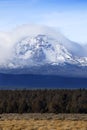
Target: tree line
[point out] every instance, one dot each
(43, 101)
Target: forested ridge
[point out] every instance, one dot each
(43, 101)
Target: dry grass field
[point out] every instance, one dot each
(43, 122)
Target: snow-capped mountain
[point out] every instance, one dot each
(43, 50)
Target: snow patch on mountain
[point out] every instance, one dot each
(41, 49)
(30, 45)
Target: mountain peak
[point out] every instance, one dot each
(41, 49)
(32, 45)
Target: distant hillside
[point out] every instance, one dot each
(16, 81)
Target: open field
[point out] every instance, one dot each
(43, 122)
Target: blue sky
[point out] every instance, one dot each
(68, 16)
